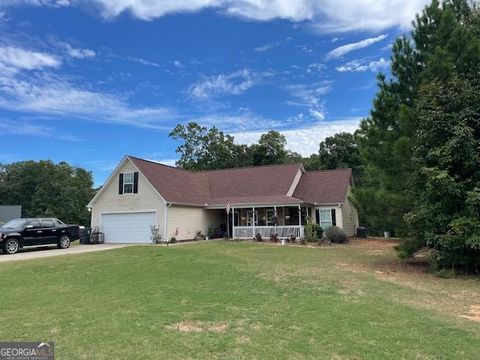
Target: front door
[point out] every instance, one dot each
(251, 217)
(33, 233)
(270, 217)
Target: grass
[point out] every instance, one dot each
(240, 300)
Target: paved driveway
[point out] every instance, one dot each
(36, 253)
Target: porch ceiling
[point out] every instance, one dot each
(254, 201)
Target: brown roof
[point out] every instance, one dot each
(324, 186)
(251, 185)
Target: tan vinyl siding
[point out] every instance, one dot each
(350, 216)
(111, 201)
(188, 220)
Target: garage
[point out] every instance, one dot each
(129, 228)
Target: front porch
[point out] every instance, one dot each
(285, 221)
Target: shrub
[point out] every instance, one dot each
(211, 232)
(445, 273)
(173, 240)
(336, 235)
(258, 238)
(407, 248)
(199, 235)
(274, 238)
(292, 238)
(310, 232)
(319, 231)
(155, 234)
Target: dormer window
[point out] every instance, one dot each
(128, 183)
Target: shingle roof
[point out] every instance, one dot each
(324, 186)
(252, 185)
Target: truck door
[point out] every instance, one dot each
(49, 230)
(33, 233)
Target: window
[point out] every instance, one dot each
(128, 181)
(13, 224)
(326, 218)
(35, 224)
(48, 224)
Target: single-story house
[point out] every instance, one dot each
(10, 212)
(261, 200)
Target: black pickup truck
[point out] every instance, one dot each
(18, 233)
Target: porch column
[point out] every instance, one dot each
(299, 215)
(233, 222)
(253, 213)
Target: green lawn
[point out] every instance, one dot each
(239, 300)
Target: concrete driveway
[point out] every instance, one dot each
(37, 253)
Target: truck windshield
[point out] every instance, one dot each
(14, 224)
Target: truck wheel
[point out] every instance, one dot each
(64, 242)
(11, 246)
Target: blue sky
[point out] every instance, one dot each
(88, 81)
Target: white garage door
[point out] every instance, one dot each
(131, 228)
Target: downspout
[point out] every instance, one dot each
(167, 205)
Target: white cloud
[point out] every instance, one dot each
(246, 120)
(345, 49)
(272, 45)
(169, 162)
(77, 53)
(324, 15)
(362, 65)
(178, 64)
(316, 67)
(265, 47)
(48, 94)
(29, 129)
(305, 140)
(234, 84)
(18, 58)
(143, 61)
(310, 96)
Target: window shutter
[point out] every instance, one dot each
(317, 216)
(334, 218)
(135, 182)
(120, 184)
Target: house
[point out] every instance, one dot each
(10, 212)
(265, 199)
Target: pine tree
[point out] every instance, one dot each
(421, 143)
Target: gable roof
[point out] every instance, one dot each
(251, 185)
(324, 186)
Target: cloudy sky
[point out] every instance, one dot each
(88, 81)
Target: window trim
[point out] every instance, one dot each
(330, 217)
(132, 183)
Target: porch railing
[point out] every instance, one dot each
(249, 232)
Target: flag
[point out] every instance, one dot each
(227, 206)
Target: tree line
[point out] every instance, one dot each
(46, 189)
(416, 158)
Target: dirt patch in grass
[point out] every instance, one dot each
(473, 314)
(198, 326)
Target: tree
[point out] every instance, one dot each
(447, 152)
(46, 189)
(420, 144)
(341, 151)
(270, 149)
(205, 149)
